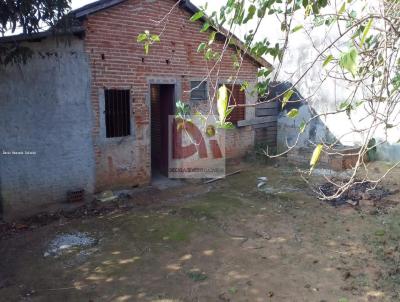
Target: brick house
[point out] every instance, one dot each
(87, 109)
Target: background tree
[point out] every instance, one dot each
(29, 17)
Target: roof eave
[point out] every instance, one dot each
(95, 7)
(191, 8)
(76, 30)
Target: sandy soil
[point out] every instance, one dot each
(225, 241)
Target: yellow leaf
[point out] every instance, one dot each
(316, 156)
(222, 102)
(286, 97)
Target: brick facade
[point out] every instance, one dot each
(118, 61)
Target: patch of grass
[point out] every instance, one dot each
(197, 276)
(158, 228)
(232, 290)
(177, 229)
(213, 205)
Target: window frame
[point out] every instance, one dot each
(239, 84)
(125, 132)
(199, 81)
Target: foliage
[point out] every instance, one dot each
(293, 113)
(147, 39)
(197, 276)
(29, 16)
(223, 109)
(349, 61)
(182, 110)
(360, 50)
(315, 157)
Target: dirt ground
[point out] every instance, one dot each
(225, 241)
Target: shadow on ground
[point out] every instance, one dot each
(225, 241)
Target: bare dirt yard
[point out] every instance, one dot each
(224, 241)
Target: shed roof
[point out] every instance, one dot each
(100, 5)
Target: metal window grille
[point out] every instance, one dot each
(117, 112)
(198, 90)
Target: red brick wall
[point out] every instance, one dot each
(118, 61)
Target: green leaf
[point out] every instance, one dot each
(155, 38)
(209, 54)
(142, 37)
(206, 26)
(244, 86)
(343, 300)
(396, 82)
(286, 97)
(349, 61)
(146, 48)
(201, 47)
(342, 8)
(297, 28)
(197, 16)
(250, 15)
(344, 105)
(228, 125)
(264, 72)
(327, 60)
(293, 113)
(211, 39)
(315, 157)
(365, 32)
(303, 126)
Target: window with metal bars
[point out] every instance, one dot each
(117, 112)
(198, 90)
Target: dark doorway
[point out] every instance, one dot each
(162, 106)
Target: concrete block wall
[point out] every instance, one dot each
(118, 61)
(44, 110)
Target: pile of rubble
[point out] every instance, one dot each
(360, 191)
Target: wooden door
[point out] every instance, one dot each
(162, 106)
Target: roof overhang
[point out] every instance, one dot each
(76, 30)
(191, 8)
(94, 7)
